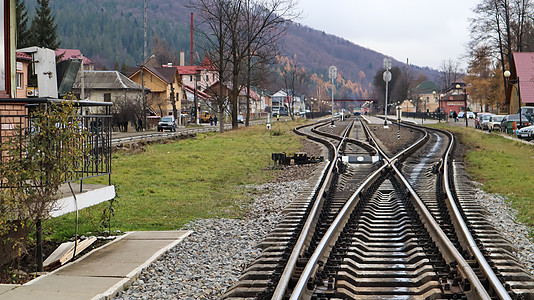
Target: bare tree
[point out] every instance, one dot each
(501, 24)
(449, 73)
(293, 77)
(161, 51)
(236, 30)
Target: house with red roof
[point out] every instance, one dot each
(65, 54)
(203, 75)
(520, 91)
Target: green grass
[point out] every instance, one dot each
(504, 166)
(174, 183)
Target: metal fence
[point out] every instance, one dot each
(96, 161)
(425, 115)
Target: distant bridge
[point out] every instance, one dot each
(354, 100)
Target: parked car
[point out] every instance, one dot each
(526, 133)
(470, 115)
(167, 123)
(461, 114)
(528, 111)
(484, 121)
(240, 119)
(495, 122)
(478, 119)
(507, 123)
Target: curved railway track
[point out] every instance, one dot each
(399, 227)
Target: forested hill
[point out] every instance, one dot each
(111, 33)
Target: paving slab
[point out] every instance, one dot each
(6, 287)
(101, 273)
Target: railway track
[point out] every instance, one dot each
(399, 227)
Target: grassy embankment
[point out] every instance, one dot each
(174, 183)
(504, 166)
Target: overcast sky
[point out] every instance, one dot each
(427, 32)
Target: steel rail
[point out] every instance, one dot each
(321, 254)
(310, 223)
(442, 238)
(461, 226)
(451, 253)
(464, 230)
(322, 251)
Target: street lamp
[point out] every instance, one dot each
(439, 105)
(423, 113)
(387, 78)
(512, 83)
(465, 103)
(332, 74)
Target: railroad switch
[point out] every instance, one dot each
(298, 158)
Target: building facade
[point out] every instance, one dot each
(165, 84)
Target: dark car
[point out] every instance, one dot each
(507, 123)
(167, 123)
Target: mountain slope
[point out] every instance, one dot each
(111, 32)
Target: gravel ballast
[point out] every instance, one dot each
(209, 261)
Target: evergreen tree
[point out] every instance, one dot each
(43, 28)
(23, 34)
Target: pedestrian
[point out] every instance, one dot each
(211, 120)
(215, 120)
(455, 116)
(277, 117)
(139, 124)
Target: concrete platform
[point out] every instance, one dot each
(101, 273)
(376, 120)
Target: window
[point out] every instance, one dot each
(20, 81)
(107, 97)
(213, 77)
(207, 78)
(191, 78)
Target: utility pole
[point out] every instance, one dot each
(82, 94)
(142, 75)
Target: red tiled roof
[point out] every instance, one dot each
(23, 56)
(524, 67)
(207, 64)
(72, 53)
(188, 70)
(192, 70)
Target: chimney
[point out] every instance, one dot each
(182, 58)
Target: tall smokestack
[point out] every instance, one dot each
(182, 58)
(191, 38)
